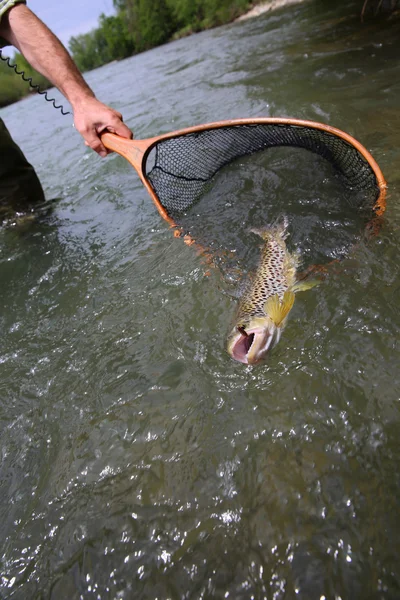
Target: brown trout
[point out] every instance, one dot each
(264, 308)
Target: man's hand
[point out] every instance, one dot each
(91, 118)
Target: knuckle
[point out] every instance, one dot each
(94, 144)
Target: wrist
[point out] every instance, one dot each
(79, 99)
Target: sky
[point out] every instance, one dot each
(70, 17)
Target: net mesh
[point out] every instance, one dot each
(181, 168)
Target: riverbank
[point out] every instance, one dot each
(374, 7)
(257, 9)
(264, 7)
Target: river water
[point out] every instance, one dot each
(137, 459)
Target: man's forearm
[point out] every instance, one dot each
(44, 52)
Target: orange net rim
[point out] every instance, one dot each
(380, 204)
(136, 151)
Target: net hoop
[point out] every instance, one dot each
(137, 153)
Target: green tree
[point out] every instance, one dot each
(110, 41)
(195, 15)
(83, 50)
(118, 40)
(126, 9)
(153, 23)
(188, 13)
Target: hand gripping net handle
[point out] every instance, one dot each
(176, 168)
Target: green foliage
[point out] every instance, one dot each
(110, 41)
(12, 86)
(153, 23)
(143, 24)
(188, 13)
(198, 14)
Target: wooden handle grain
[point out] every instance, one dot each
(132, 150)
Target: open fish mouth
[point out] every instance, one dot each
(242, 346)
(251, 346)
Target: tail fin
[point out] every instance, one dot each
(278, 228)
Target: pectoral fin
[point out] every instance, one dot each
(277, 309)
(303, 286)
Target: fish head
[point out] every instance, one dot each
(250, 343)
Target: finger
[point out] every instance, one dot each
(107, 150)
(94, 142)
(124, 131)
(118, 128)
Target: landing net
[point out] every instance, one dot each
(181, 168)
(215, 183)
